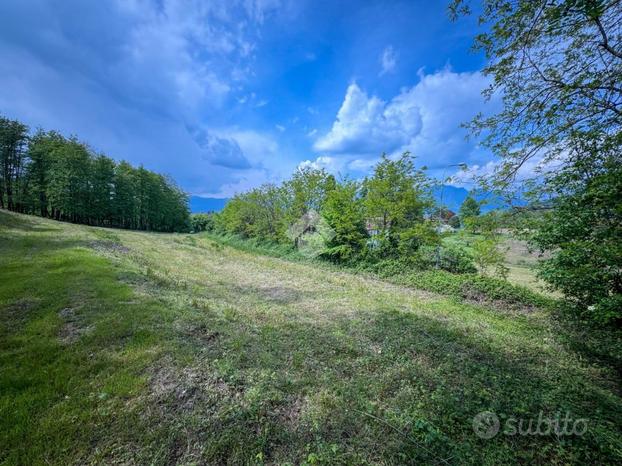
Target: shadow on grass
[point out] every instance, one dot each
(23, 222)
(396, 387)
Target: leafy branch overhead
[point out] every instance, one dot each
(557, 66)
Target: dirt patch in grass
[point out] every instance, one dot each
(201, 333)
(289, 414)
(478, 298)
(280, 294)
(16, 314)
(179, 390)
(109, 247)
(73, 328)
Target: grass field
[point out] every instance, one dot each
(135, 348)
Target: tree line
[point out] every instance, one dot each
(390, 215)
(62, 178)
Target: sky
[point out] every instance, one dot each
(227, 95)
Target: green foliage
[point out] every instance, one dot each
(50, 175)
(417, 236)
(307, 190)
(487, 255)
(258, 213)
(343, 210)
(583, 229)
(474, 287)
(396, 195)
(456, 259)
(469, 208)
(454, 222)
(557, 65)
(201, 222)
(391, 202)
(13, 140)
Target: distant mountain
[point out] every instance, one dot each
(206, 204)
(453, 197)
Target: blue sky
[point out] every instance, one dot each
(227, 95)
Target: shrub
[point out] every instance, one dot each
(473, 287)
(488, 255)
(456, 259)
(201, 222)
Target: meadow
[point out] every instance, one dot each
(129, 347)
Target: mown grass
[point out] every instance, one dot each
(138, 348)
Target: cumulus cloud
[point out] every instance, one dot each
(424, 119)
(368, 125)
(324, 162)
(388, 60)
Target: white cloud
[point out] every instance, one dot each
(281, 128)
(424, 119)
(330, 164)
(367, 125)
(388, 60)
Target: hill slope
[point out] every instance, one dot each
(129, 347)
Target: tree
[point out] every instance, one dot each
(306, 191)
(102, 190)
(50, 175)
(469, 208)
(343, 210)
(69, 181)
(13, 139)
(556, 64)
(584, 227)
(41, 148)
(396, 195)
(124, 205)
(258, 213)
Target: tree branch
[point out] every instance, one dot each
(605, 43)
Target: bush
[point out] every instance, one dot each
(473, 287)
(455, 259)
(201, 222)
(488, 255)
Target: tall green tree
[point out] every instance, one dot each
(13, 141)
(102, 185)
(69, 182)
(343, 210)
(469, 208)
(396, 195)
(42, 147)
(583, 228)
(307, 190)
(557, 66)
(124, 202)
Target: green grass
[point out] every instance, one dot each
(138, 348)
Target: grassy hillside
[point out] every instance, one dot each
(128, 347)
